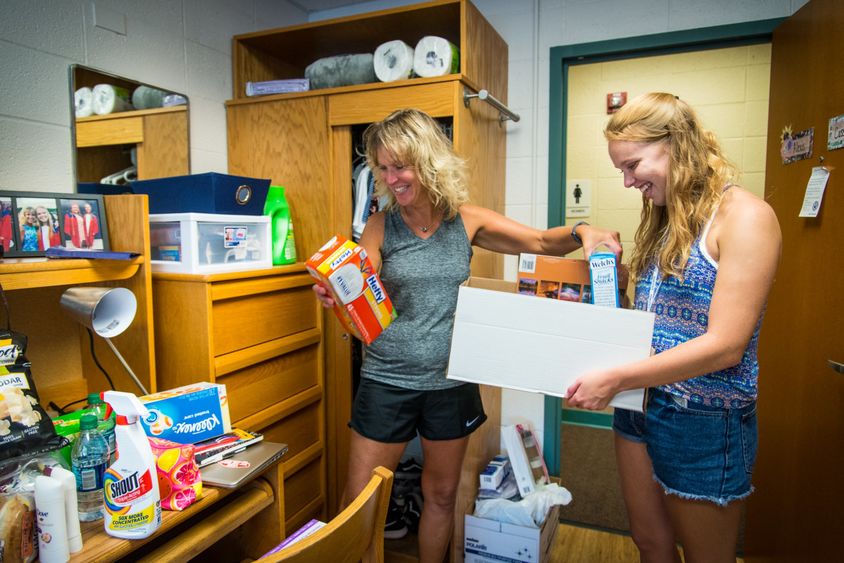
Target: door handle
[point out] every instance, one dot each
(837, 366)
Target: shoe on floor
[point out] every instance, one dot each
(409, 469)
(395, 527)
(412, 512)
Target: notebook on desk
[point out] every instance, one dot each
(244, 466)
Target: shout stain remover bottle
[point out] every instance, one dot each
(132, 500)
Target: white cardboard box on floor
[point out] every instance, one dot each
(490, 541)
(521, 342)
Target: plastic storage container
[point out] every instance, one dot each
(203, 243)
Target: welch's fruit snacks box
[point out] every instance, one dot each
(360, 301)
(187, 414)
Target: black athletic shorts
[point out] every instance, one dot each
(386, 413)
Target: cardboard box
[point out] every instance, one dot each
(490, 541)
(188, 414)
(560, 278)
(509, 340)
(361, 303)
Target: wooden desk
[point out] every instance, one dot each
(258, 507)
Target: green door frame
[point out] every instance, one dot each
(562, 58)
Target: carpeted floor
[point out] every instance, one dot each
(588, 470)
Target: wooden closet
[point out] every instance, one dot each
(304, 141)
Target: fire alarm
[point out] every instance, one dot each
(615, 100)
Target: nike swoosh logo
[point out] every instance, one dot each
(473, 421)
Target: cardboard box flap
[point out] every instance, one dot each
(543, 345)
(553, 318)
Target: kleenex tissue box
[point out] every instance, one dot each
(188, 414)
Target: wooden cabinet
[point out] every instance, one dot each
(259, 334)
(160, 136)
(306, 142)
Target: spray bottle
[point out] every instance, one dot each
(132, 499)
(277, 208)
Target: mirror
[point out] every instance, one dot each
(124, 130)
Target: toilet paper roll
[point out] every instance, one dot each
(393, 60)
(83, 99)
(145, 97)
(110, 99)
(435, 56)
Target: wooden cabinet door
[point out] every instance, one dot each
(796, 513)
(287, 141)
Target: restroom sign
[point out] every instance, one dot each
(578, 198)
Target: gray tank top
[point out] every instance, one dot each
(422, 277)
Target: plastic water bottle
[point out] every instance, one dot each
(89, 460)
(104, 424)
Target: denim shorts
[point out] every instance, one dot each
(698, 452)
(386, 413)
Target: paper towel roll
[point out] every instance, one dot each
(145, 97)
(110, 99)
(83, 99)
(393, 61)
(435, 56)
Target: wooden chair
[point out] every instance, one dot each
(356, 534)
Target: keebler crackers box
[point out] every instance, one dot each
(568, 279)
(361, 303)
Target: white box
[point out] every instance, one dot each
(207, 243)
(494, 473)
(519, 342)
(490, 541)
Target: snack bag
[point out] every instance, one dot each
(24, 425)
(179, 480)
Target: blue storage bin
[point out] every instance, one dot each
(210, 192)
(103, 189)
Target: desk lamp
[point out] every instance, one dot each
(108, 311)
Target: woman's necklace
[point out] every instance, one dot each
(425, 228)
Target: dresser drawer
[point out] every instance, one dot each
(244, 321)
(299, 431)
(261, 385)
(302, 488)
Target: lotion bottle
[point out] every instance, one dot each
(68, 482)
(50, 519)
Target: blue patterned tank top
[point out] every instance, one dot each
(682, 313)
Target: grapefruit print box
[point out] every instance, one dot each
(361, 303)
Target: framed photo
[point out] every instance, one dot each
(32, 222)
(83, 222)
(7, 224)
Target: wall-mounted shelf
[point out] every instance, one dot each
(33, 273)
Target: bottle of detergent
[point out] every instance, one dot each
(284, 246)
(132, 499)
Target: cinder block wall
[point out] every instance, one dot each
(183, 46)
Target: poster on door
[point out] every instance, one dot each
(578, 198)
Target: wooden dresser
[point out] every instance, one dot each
(258, 333)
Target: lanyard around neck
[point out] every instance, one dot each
(653, 289)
